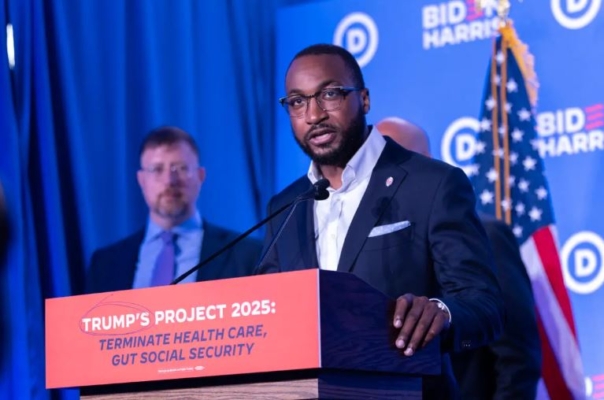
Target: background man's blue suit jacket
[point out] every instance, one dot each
(113, 267)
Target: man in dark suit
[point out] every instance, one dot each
(176, 238)
(509, 368)
(404, 223)
(4, 226)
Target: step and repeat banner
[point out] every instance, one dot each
(426, 61)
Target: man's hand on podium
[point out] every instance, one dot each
(420, 321)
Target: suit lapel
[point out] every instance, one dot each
(375, 201)
(306, 234)
(130, 260)
(211, 242)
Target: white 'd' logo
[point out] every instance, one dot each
(458, 144)
(361, 41)
(581, 257)
(570, 18)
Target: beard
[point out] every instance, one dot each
(171, 204)
(336, 154)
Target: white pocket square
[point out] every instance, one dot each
(384, 229)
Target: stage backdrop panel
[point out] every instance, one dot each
(426, 61)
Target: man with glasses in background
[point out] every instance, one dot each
(176, 237)
(404, 223)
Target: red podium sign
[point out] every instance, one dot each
(188, 330)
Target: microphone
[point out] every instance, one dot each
(317, 192)
(320, 189)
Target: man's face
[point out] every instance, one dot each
(170, 179)
(327, 137)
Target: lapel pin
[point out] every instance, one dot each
(389, 181)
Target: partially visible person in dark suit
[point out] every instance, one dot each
(5, 236)
(176, 237)
(404, 223)
(510, 368)
(4, 226)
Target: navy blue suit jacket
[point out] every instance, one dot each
(509, 368)
(113, 267)
(444, 253)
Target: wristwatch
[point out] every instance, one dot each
(442, 306)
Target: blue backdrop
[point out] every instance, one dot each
(426, 61)
(90, 79)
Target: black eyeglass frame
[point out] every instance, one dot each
(345, 91)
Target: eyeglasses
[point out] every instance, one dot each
(182, 171)
(329, 99)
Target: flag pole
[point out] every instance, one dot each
(512, 79)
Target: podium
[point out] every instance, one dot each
(295, 335)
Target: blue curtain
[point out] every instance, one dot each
(90, 79)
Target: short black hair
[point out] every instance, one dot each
(167, 136)
(331, 49)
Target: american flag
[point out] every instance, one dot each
(510, 183)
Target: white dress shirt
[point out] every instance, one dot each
(333, 216)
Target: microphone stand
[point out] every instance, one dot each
(234, 242)
(318, 191)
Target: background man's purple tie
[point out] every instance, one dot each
(163, 273)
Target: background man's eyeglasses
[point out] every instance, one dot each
(182, 171)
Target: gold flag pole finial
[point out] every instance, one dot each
(506, 29)
(501, 6)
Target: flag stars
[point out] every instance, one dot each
(480, 146)
(541, 193)
(517, 135)
(492, 175)
(535, 214)
(521, 191)
(506, 204)
(513, 158)
(486, 197)
(524, 115)
(529, 163)
(512, 86)
(498, 153)
(490, 103)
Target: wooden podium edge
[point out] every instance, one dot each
(291, 385)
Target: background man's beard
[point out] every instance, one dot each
(352, 139)
(174, 211)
